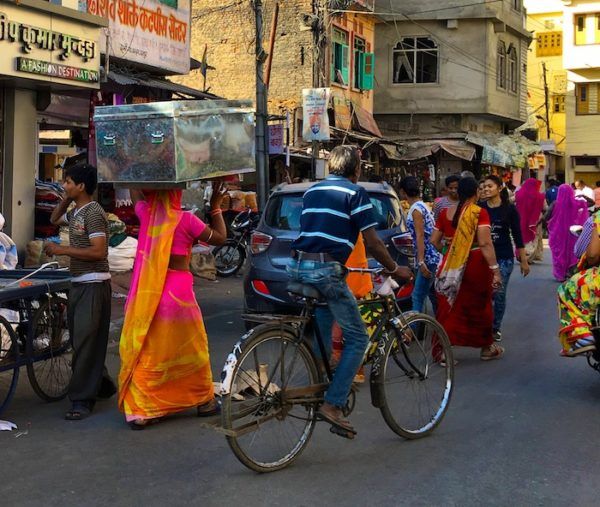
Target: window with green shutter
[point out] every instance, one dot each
(340, 57)
(367, 76)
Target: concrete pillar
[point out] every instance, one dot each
(20, 164)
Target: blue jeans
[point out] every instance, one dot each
(424, 287)
(329, 279)
(506, 268)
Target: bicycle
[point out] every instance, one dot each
(34, 334)
(272, 383)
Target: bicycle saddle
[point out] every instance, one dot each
(305, 291)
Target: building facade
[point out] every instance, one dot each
(336, 52)
(444, 70)
(547, 82)
(563, 81)
(581, 60)
(48, 50)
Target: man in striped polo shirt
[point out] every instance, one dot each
(334, 211)
(90, 295)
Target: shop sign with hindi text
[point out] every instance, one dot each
(36, 45)
(149, 32)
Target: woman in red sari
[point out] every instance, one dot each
(468, 273)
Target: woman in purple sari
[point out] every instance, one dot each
(567, 211)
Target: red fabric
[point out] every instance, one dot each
(469, 322)
(530, 203)
(444, 224)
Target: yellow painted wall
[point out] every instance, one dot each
(556, 76)
(363, 26)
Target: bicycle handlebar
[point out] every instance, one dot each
(375, 271)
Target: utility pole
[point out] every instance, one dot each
(319, 46)
(546, 101)
(262, 152)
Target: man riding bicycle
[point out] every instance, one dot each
(334, 211)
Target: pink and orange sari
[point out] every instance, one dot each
(165, 366)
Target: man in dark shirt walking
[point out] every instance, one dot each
(90, 295)
(334, 212)
(552, 191)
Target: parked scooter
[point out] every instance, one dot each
(231, 255)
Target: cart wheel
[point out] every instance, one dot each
(50, 370)
(9, 371)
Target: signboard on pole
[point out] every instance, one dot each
(151, 32)
(276, 139)
(315, 118)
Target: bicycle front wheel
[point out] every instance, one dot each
(50, 370)
(417, 376)
(267, 430)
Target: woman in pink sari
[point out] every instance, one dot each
(567, 211)
(530, 204)
(165, 365)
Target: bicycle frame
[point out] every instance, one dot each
(297, 327)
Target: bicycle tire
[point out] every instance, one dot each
(417, 366)
(229, 267)
(9, 371)
(50, 377)
(265, 411)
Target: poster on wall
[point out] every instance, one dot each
(150, 32)
(315, 119)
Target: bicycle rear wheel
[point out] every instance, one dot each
(50, 372)
(266, 431)
(416, 379)
(9, 371)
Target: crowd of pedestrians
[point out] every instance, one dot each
(465, 251)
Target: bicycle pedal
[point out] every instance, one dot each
(342, 433)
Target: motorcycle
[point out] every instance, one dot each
(231, 255)
(593, 358)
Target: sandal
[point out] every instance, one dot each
(209, 408)
(79, 411)
(495, 352)
(141, 424)
(581, 346)
(339, 426)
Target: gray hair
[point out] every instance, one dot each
(344, 160)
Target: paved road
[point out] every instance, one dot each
(520, 431)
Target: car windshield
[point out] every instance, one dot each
(284, 210)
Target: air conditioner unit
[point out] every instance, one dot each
(549, 24)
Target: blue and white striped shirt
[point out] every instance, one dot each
(334, 211)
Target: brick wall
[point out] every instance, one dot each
(229, 36)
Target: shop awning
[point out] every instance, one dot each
(160, 84)
(417, 150)
(503, 150)
(392, 151)
(366, 121)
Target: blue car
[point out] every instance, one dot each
(266, 279)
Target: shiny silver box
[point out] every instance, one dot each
(174, 142)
